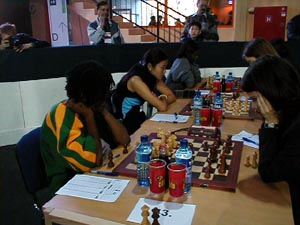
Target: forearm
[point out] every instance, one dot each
(93, 131)
(95, 35)
(118, 130)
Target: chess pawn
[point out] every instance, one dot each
(125, 150)
(207, 172)
(145, 214)
(223, 165)
(254, 164)
(110, 163)
(247, 162)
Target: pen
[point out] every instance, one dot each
(104, 173)
(176, 116)
(250, 141)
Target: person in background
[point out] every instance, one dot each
(194, 33)
(103, 29)
(275, 84)
(207, 19)
(185, 73)
(160, 21)
(138, 86)
(178, 23)
(293, 28)
(10, 39)
(78, 132)
(152, 21)
(258, 47)
(281, 48)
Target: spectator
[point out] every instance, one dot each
(10, 39)
(160, 21)
(104, 30)
(258, 47)
(138, 86)
(78, 132)
(293, 28)
(184, 72)
(207, 19)
(178, 23)
(152, 21)
(275, 84)
(280, 47)
(194, 33)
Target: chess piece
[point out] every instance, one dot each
(145, 214)
(205, 146)
(222, 168)
(213, 153)
(254, 164)
(155, 150)
(229, 140)
(110, 163)
(247, 162)
(207, 171)
(125, 150)
(155, 216)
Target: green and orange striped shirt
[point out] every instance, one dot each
(65, 145)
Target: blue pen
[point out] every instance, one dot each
(104, 173)
(250, 141)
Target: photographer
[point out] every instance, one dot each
(10, 39)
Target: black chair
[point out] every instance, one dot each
(32, 168)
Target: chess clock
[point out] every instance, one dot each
(203, 131)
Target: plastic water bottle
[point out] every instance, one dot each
(197, 102)
(184, 155)
(143, 156)
(217, 82)
(229, 82)
(218, 101)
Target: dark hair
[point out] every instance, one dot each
(101, 3)
(88, 82)
(153, 56)
(280, 46)
(194, 23)
(187, 50)
(275, 78)
(258, 47)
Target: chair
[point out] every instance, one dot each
(32, 168)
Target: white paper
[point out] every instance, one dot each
(249, 139)
(172, 118)
(94, 187)
(170, 212)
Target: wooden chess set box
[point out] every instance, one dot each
(203, 131)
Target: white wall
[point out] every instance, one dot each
(24, 104)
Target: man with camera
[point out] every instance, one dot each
(10, 39)
(207, 19)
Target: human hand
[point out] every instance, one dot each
(22, 47)
(266, 109)
(80, 108)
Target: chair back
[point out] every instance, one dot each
(30, 161)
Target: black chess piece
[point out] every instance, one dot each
(155, 216)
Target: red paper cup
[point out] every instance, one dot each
(177, 172)
(205, 116)
(157, 174)
(216, 117)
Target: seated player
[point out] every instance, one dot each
(184, 72)
(138, 86)
(275, 83)
(194, 33)
(10, 39)
(258, 47)
(77, 131)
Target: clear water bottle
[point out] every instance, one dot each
(197, 105)
(143, 156)
(218, 101)
(217, 82)
(184, 155)
(229, 82)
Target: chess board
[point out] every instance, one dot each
(226, 181)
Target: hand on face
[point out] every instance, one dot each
(80, 108)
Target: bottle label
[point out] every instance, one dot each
(143, 158)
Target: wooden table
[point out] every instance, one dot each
(254, 202)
